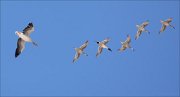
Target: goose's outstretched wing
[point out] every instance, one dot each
(122, 48)
(162, 28)
(128, 40)
(99, 51)
(168, 20)
(105, 41)
(29, 29)
(84, 45)
(144, 24)
(138, 34)
(77, 55)
(20, 47)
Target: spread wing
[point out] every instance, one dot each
(138, 34)
(105, 41)
(29, 29)
(122, 48)
(20, 47)
(128, 40)
(99, 51)
(144, 24)
(77, 55)
(163, 28)
(168, 20)
(84, 45)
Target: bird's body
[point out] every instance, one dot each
(165, 24)
(80, 51)
(24, 37)
(126, 44)
(141, 28)
(102, 45)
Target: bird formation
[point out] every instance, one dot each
(25, 37)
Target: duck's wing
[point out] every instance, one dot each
(20, 47)
(77, 55)
(128, 40)
(122, 48)
(84, 45)
(144, 24)
(138, 34)
(169, 20)
(29, 29)
(163, 28)
(99, 51)
(105, 41)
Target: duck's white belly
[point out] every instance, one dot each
(25, 38)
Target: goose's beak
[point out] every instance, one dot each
(16, 32)
(121, 42)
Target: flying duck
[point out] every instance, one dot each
(102, 45)
(126, 44)
(24, 37)
(165, 24)
(80, 51)
(141, 28)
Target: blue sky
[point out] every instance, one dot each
(47, 70)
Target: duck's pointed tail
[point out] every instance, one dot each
(35, 43)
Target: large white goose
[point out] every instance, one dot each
(24, 37)
(80, 51)
(126, 44)
(165, 24)
(141, 28)
(102, 45)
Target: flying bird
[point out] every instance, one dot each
(165, 24)
(80, 51)
(141, 28)
(126, 44)
(102, 45)
(24, 37)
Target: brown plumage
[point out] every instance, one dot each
(141, 28)
(80, 51)
(126, 44)
(165, 24)
(102, 45)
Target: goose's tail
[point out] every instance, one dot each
(85, 54)
(133, 49)
(35, 43)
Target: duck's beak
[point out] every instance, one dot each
(16, 32)
(121, 42)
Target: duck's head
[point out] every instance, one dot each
(137, 26)
(122, 42)
(18, 33)
(161, 21)
(97, 42)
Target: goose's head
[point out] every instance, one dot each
(161, 21)
(137, 26)
(18, 33)
(122, 42)
(76, 49)
(97, 42)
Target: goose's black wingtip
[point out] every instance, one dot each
(16, 56)
(30, 24)
(109, 49)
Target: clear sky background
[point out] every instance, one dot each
(47, 70)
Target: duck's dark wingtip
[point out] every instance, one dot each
(109, 49)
